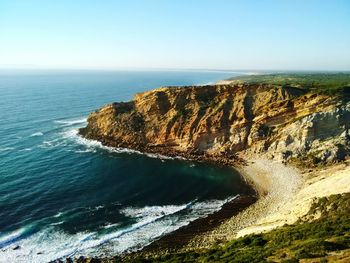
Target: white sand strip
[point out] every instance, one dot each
(286, 195)
(293, 199)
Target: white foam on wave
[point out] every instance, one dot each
(84, 151)
(151, 222)
(71, 121)
(51, 144)
(93, 145)
(58, 214)
(99, 207)
(57, 223)
(6, 149)
(43, 246)
(208, 207)
(109, 225)
(25, 149)
(48, 143)
(11, 237)
(152, 211)
(36, 134)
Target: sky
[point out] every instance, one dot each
(175, 34)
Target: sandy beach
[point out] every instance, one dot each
(286, 194)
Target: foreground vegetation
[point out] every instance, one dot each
(329, 83)
(328, 233)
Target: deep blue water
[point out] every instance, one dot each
(62, 195)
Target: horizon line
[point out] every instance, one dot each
(223, 70)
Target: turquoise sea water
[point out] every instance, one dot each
(62, 195)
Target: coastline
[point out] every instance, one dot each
(283, 195)
(272, 192)
(284, 192)
(274, 184)
(181, 237)
(284, 198)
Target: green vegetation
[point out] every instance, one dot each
(330, 232)
(328, 83)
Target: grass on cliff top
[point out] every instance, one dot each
(329, 83)
(330, 232)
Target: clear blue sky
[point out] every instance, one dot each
(214, 34)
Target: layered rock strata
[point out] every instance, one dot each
(219, 122)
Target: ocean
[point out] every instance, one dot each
(65, 196)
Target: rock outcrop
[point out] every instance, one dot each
(217, 122)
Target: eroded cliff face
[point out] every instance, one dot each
(220, 121)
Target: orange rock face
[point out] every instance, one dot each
(221, 120)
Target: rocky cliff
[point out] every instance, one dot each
(218, 122)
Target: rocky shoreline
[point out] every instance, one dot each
(223, 159)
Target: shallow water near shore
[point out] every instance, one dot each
(62, 195)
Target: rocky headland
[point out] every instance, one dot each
(222, 122)
(290, 142)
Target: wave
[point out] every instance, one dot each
(58, 214)
(48, 143)
(93, 145)
(57, 223)
(35, 134)
(109, 225)
(25, 149)
(43, 246)
(71, 122)
(11, 237)
(98, 207)
(52, 143)
(6, 149)
(209, 207)
(84, 151)
(151, 222)
(153, 211)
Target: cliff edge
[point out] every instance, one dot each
(220, 122)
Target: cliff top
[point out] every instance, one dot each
(330, 83)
